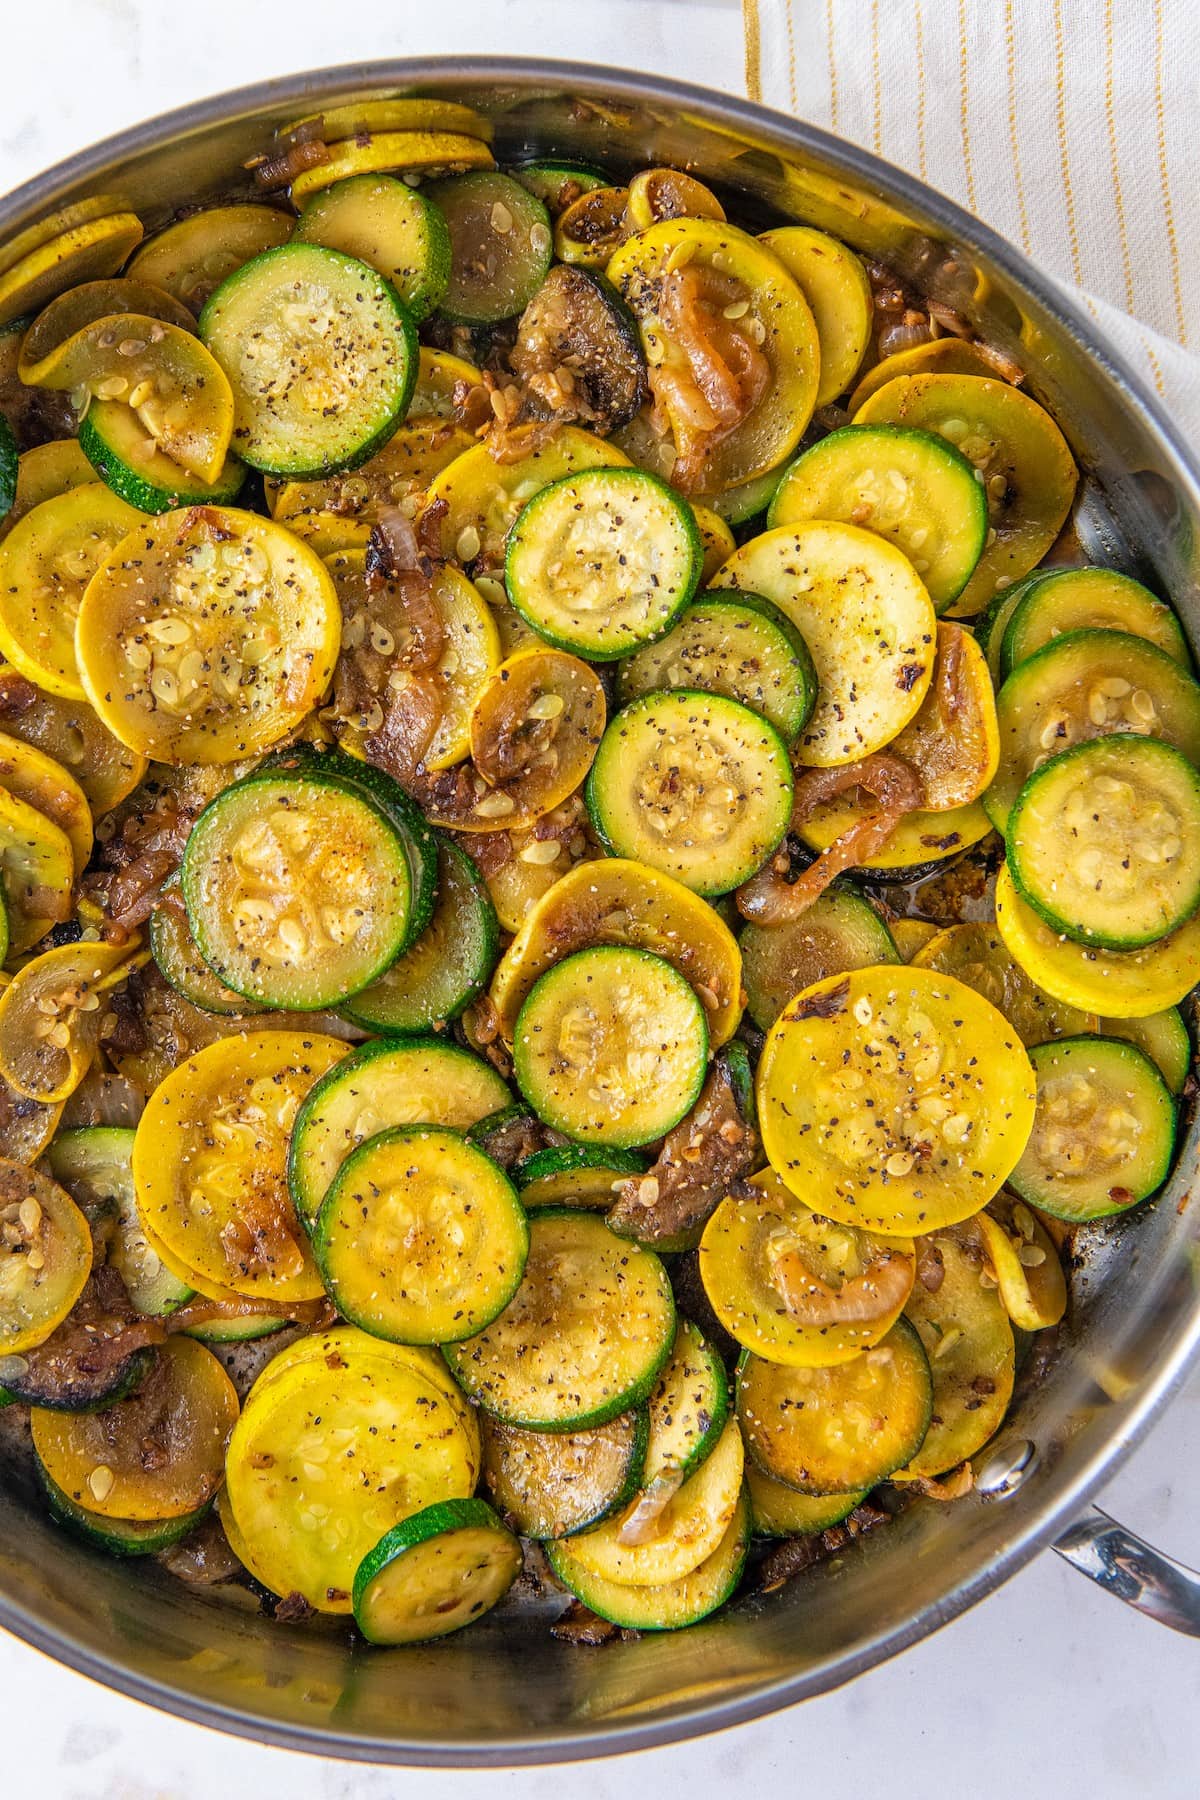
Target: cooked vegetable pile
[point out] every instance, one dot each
(590, 892)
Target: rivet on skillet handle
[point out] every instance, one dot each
(1123, 1565)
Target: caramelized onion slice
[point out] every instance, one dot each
(882, 1286)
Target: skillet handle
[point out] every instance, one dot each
(1134, 1571)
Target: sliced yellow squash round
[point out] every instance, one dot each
(941, 356)
(976, 953)
(210, 1161)
(834, 282)
(45, 1257)
(50, 1015)
(919, 838)
(46, 562)
(176, 387)
(43, 783)
(798, 1288)
(69, 731)
(1119, 984)
(953, 740)
(425, 153)
(867, 620)
(1025, 1263)
(37, 870)
(1023, 458)
(207, 635)
(405, 466)
(192, 257)
(105, 1461)
(439, 375)
(899, 1096)
(87, 251)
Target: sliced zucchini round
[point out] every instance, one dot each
(1104, 1132)
(1163, 1036)
(44, 1222)
(391, 227)
(868, 622)
(435, 1572)
(99, 1459)
(602, 561)
(683, 264)
(120, 1537)
(842, 1429)
(779, 1511)
(841, 930)
(1088, 684)
(192, 257)
(688, 1410)
(583, 1338)
(977, 954)
(673, 1604)
(95, 1164)
(899, 1096)
(910, 487)
(968, 1339)
(611, 1046)
(179, 962)
(128, 460)
(500, 243)
(420, 1237)
(1121, 984)
(297, 889)
(557, 184)
(693, 784)
(1102, 841)
(578, 322)
(210, 1164)
(551, 1484)
(910, 936)
(424, 1081)
(1025, 463)
(1058, 601)
(744, 648)
(941, 356)
(575, 1175)
(439, 975)
(362, 1431)
(207, 635)
(797, 1288)
(617, 901)
(687, 1528)
(321, 355)
(834, 282)
(46, 562)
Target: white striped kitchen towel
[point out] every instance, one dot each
(1072, 127)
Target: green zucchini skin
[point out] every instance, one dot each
(675, 1604)
(1165, 1039)
(399, 1555)
(542, 1515)
(575, 1175)
(151, 489)
(578, 319)
(179, 962)
(498, 1378)
(558, 184)
(238, 309)
(494, 272)
(1046, 841)
(432, 982)
(688, 1408)
(839, 932)
(547, 538)
(739, 645)
(119, 1537)
(1061, 600)
(93, 1163)
(683, 713)
(826, 482)
(404, 815)
(297, 986)
(389, 226)
(1135, 1086)
(8, 467)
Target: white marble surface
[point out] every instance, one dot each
(1047, 1689)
